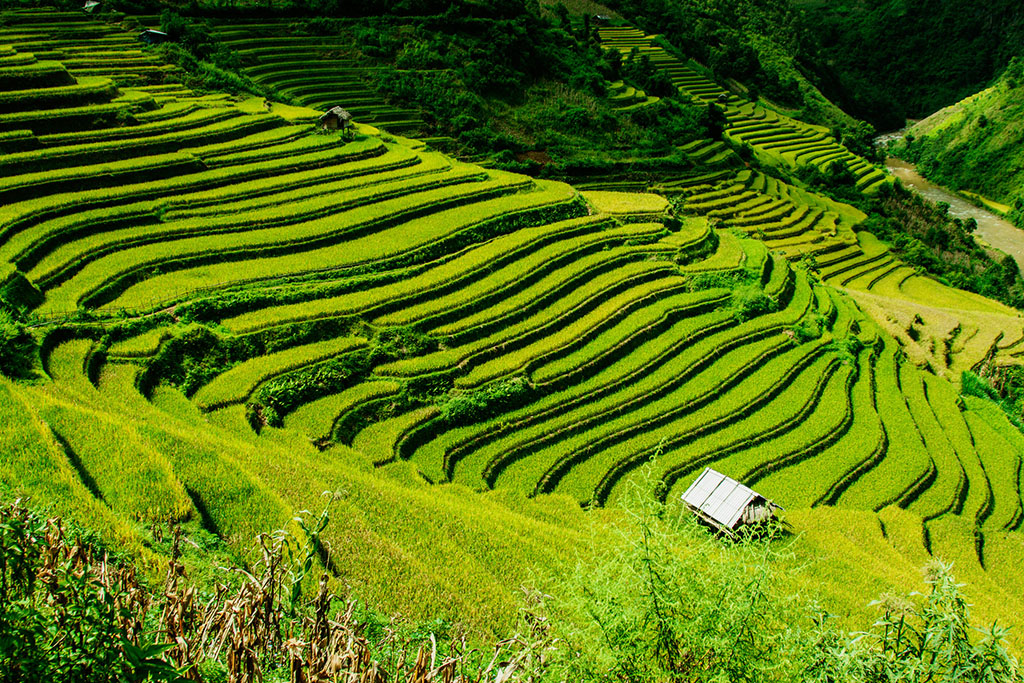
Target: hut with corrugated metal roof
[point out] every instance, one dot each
(726, 504)
(153, 37)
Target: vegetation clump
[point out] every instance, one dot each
(463, 408)
(17, 347)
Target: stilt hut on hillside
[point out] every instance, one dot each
(335, 118)
(726, 504)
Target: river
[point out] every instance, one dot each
(992, 228)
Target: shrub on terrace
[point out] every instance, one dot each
(17, 347)
(750, 300)
(1003, 385)
(809, 328)
(459, 409)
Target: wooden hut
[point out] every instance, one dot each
(153, 37)
(726, 504)
(335, 118)
(91, 5)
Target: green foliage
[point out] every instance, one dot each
(61, 614)
(192, 359)
(16, 291)
(888, 60)
(810, 327)
(714, 280)
(748, 297)
(208, 75)
(1004, 386)
(17, 347)
(468, 407)
(756, 42)
(278, 397)
(638, 70)
(520, 82)
(975, 145)
(925, 640)
(750, 300)
(209, 65)
(835, 180)
(848, 349)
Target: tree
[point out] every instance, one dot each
(1011, 273)
(717, 121)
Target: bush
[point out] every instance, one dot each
(926, 640)
(460, 409)
(64, 616)
(750, 300)
(17, 347)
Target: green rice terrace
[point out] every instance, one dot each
(236, 311)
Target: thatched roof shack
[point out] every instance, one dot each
(725, 503)
(335, 118)
(90, 5)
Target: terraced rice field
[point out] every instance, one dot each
(944, 329)
(773, 136)
(314, 71)
(626, 98)
(243, 288)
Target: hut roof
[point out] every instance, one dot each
(90, 5)
(336, 111)
(720, 498)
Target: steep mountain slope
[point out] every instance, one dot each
(977, 144)
(888, 60)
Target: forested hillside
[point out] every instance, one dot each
(889, 60)
(977, 144)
